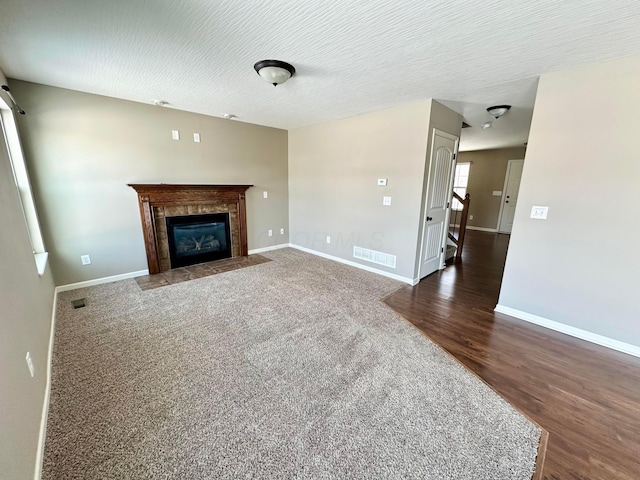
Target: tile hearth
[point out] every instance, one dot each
(183, 274)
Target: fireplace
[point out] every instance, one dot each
(198, 238)
(167, 210)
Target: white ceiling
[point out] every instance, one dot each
(351, 56)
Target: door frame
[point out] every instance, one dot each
(425, 192)
(504, 190)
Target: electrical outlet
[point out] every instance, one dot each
(265, 194)
(282, 231)
(30, 364)
(175, 134)
(271, 233)
(328, 239)
(386, 201)
(470, 217)
(86, 259)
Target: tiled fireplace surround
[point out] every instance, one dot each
(158, 201)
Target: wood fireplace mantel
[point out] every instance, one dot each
(191, 199)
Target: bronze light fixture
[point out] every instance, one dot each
(498, 110)
(274, 71)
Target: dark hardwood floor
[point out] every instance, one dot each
(586, 396)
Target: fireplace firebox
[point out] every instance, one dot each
(198, 238)
(160, 201)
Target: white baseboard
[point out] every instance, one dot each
(410, 281)
(100, 281)
(268, 249)
(482, 229)
(47, 392)
(573, 331)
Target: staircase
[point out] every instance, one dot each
(457, 228)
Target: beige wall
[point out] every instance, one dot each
(83, 149)
(333, 169)
(487, 174)
(26, 302)
(580, 267)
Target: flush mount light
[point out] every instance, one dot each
(229, 116)
(486, 125)
(160, 103)
(498, 110)
(274, 71)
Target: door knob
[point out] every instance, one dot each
(429, 219)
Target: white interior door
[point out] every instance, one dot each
(444, 147)
(510, 195)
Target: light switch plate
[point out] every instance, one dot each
(382, 182)
(196, 137)
(265, 194)
(539, 213)
(175, 134)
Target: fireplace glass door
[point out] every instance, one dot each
(198, 238)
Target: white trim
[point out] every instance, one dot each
(268, 249)
(100, 281)
(47, 392)
(410, 281)
(18, 164)
(482, 229)
(569, 330)
(41, 262)
(471, 227)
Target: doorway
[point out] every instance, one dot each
(510, 195)
(442, 161)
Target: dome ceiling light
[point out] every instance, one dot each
(498, 110)
(274, 71)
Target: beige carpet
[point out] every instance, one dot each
(289, 369)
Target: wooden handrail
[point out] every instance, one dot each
(459, 198)
(466, 201)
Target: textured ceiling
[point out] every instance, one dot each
(351, 57)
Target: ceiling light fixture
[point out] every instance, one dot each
(229, 116)
(274, 71)
(486, 125)
(160, 103)
(498, 110)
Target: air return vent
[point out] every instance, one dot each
(81, 302)
(380, 258)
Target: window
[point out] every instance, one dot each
(460, 181)
(21, 177)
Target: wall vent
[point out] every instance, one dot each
(380, 258)
(81, 302)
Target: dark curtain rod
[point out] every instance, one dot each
(15, 104)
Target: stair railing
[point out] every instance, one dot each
(458, 223)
